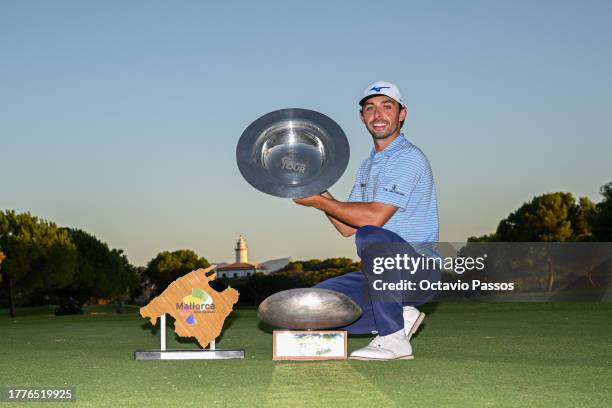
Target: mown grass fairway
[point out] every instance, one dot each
(467, 354)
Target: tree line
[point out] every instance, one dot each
(299, 274)
(41, 262)
(551, 217)
(557, 217)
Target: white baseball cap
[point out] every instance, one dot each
(382, 88)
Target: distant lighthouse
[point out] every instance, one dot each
(241, 250)
(242, 268)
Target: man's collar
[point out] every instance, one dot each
(399, 141)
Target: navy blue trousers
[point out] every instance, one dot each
(382, 312)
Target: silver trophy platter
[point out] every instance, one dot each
(308, 309)
(292, 153)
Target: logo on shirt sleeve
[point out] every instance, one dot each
(393, 189)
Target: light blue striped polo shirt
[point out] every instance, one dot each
(401, 176)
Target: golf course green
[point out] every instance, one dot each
(466, 354)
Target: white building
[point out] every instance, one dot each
(241, 267)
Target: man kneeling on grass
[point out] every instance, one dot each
(393, 202)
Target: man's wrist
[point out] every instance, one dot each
(318, 201)
(323, 203)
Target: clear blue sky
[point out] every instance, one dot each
(121, 118)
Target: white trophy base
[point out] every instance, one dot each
(309, 345)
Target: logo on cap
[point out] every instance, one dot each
(378, 88)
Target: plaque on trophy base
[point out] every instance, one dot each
(309, 345)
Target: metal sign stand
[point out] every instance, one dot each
(163, 353)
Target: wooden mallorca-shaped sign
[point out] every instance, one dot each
(198, 311)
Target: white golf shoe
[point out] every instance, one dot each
(395, 346)
(412, 320)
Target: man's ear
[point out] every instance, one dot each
(403, 113)
(361, 116)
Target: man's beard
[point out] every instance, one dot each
(381, 137)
